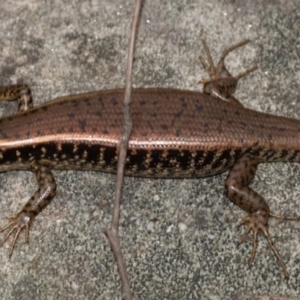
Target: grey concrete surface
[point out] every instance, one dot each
(179, 237)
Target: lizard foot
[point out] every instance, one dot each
(221, 84)
(219, 71)
(258, 221)
(17, 223)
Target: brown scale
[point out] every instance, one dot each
(176, 134)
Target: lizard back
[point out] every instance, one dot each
(175, 134)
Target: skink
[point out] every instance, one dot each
(176, 134)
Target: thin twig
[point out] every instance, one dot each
(112, 233)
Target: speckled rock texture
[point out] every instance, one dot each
(179, 237)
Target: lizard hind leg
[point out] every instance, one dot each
(220, 71)
(257, 222)
(221, 84)
(237, 190)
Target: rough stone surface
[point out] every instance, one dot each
(64, 47)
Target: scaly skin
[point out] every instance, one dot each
(176, 134)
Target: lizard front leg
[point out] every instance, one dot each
(39, 200)
(18, 92)
(237, 190)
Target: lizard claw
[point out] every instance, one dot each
(258, 221)
(15, 226)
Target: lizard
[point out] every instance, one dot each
(176, 134)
